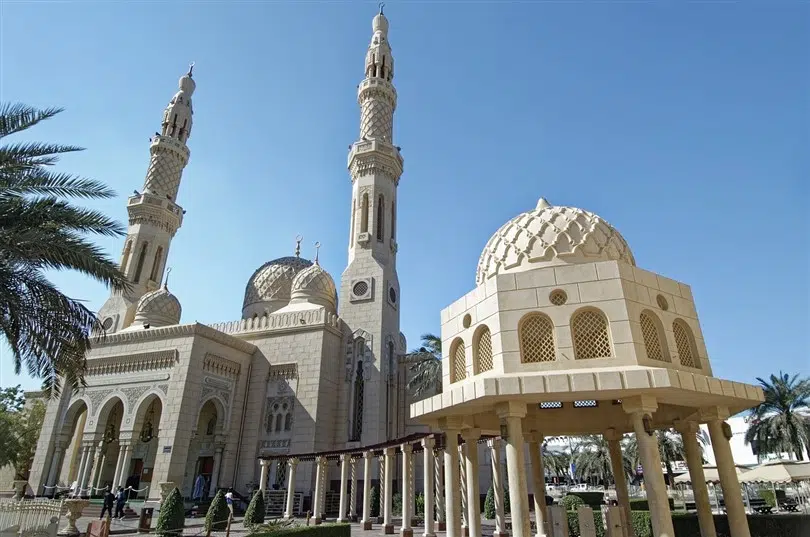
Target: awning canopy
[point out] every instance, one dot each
(710, 472)
(778, 472)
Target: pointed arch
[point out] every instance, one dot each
(351, 228)
(380, 217)
(125, 257)
(652, 333)
(589, 330)
(536, 334)
(393, 220)
(458, 363)
(364, 214)
(156, 264)
(685, 344)
(141, 259)
(482, 350)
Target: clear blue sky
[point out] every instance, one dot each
(683, 124)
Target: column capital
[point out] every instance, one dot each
(368, 455)
(494, 443)
(388, 451)
(265, 462)
(639, 404)
(451, 423)
(343, 457)
(293, 462)
(428, 442)
(511, 409)
(612, 434)
(534, 437)
(715, 413)
(471, 434)
(686, 427)
(406, 448)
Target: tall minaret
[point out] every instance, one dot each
(369, 290)
(154, 215)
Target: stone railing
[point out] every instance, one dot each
(280, 321)
(28, 517)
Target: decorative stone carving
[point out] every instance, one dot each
(95, 397)
(164, 388)
(273, 280)
(132, 394)
(217, 365)
(282, 372)
(129, 363)
(74, 508)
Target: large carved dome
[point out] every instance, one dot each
(313, 284)
(551, 235)
(158, 308)
(270, 286)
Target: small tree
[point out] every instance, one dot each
(217, 517)
(375, 501)
(255, 510)
(507, 507)
(489, 504)
(571, 502)
(172, 515)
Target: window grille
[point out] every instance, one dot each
(357, 424)
(652, 339)
(536, 334)
(459, 362)
(585, 404)
(550, 404)
(485, 350)
(590, 331)
(685, 344)
(558, 297)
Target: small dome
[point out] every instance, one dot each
(187, 84)
(270, 286)
(380, 23)
(158, 308)
(551, 235)
(315, 285)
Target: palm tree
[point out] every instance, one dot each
(47, 331)
(782, 422)
(670, 449)
(592, 459)
(426, 367)
(557, 462)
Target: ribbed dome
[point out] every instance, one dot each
(550, 235)
(314, 284)
(158, 308)
(270, 286)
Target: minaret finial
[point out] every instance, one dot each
(382, 5)
(298, 240)
(166, 281)
(190, 69)
(317, 251)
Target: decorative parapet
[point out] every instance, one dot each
(282, 372)
(220, 366)
(303, 320)
(129, 363)
(179, 330)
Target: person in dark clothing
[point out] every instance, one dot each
(120, 500)
(107, 507)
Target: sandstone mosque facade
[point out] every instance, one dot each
(563, 335)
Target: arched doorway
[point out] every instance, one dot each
(64, 471)
(107, 447)
(144, 445)
(205, 453)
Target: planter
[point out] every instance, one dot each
(74, 507)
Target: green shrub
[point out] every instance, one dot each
(217, 517)
(642, 525)
(507, 507)
(419, 503)
(781, 525)
(489, 504)
(640, 504)
(274, 527)
(573, 523)
(375, 501)
(593, 499)
(571, 502)
(396, 504)
(172, 516)
(322, 530)
(255, 511)
(769, 497)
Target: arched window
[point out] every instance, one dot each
(685, 343)
(351, 229)
(364, 214)
(393, 220)
(288, 421)
(590, 331)
(125, 259)
(141, 259)
(279, 417)
(212, 424)
(536, 333)
(653, 336)
(357, 405)
(380, 215)
(156, 264)
(281, 473)
(459, 361)
(482, 350)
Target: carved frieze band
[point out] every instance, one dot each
(129, 363)
(220, 366)
(282, 372)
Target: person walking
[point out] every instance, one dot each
(120, 501)
(229, 500)
(107, 506)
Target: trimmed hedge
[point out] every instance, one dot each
(172, 516)
(255, 511)
(573, 524)
(375, 501)
(322, 530)
(642, 505)
(216, 519)
(489, 504)
(571, 502)
(592, 499)
(760, 525)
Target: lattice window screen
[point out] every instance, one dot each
(485, 351)
(685, 343)
(652, 341)
(590, 331)
(537, 339)
(459, 362)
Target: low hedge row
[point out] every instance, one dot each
(322, 530)
(642, 505)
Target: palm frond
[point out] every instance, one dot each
(16, 117)
(41, 182)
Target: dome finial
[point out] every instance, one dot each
(382, 5)
(298, 240)
(542, 204)
(166, 281)
(190, 69)
(317, 250)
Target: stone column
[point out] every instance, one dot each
(388, 490)
(325, 480)
(293, 464)
(428, 464)
(124, 454)
(265, 464)
(497, 487)
(215, 472)
(614, 439)
(452, 483)
(367, 525)
(353, 496)
(694, 461)
(441, 522)
(471, 437)
(538, 483)
(720, 433)
(407, 491)
(88, 467)
(641, 409)
(317, 507)
(462, 477)
(56, 462)
(513, 413)
(344, 481)
(82, 464)
(412, 475)
(381, 484)
(99, 466)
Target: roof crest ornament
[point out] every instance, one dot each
(298, 240)
(382, 5)
(190, 69)
(317, 250)
(166, 281)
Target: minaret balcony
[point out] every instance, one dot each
(377, 83)
(147, 203)
(173, 144)
(374, 147)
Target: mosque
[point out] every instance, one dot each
(563, 335)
